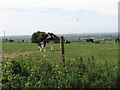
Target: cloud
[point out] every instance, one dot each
(58, 16)
(104, 6)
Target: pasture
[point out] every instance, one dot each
(86, 66)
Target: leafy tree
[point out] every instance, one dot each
(56, 39)
(35, 35)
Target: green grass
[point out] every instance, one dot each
(100, 51)
(46, 70)
(18, 47)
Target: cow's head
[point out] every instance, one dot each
(50, 36)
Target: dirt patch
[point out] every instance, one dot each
(18, 54)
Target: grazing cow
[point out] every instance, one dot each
(11, 40)
(90, 40)
(117, 40)
(6, 40)
(66, 41)
(43, 39)
(22, 40)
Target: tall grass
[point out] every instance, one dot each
(41, 72)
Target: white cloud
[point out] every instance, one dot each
(14, 21)
(104, 6)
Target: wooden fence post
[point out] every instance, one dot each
(62, 48)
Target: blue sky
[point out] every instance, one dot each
(24, 17)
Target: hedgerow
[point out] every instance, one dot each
(42, 72)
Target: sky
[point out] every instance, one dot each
(24, 17)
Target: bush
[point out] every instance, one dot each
(36, 72)
(35, 35)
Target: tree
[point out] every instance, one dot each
(35, 35)
(56, 39)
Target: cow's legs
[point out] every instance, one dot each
(51, 44)
(44, 46)
(40, 46)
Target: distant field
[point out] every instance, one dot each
(44, 69)
(71, 50)
(18, 47)
(99, 51)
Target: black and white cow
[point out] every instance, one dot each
(89, 40)
(43, 39)
(117, 40)
(67, 42)
(11, 40)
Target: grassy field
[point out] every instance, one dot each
(18, 47)
(100, 51)
(86, 66)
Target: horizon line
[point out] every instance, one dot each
(66, 33)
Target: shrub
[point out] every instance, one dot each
(38, 72)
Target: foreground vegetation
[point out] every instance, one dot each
(86, 66)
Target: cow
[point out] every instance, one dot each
(11, 40)
(43, 39)
(6, 40)
(22, 40)
(67, 42)
(117, 40)
(89, 40)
